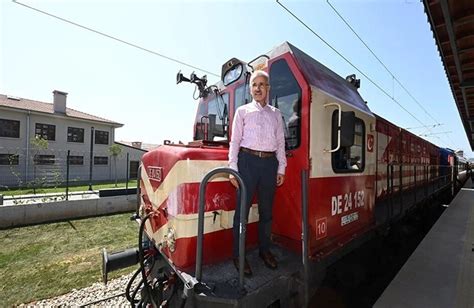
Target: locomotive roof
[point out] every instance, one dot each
(321, 77)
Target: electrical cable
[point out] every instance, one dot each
(380, 61)
(428, 127)
(135, 291)
(417, 127)
(208, 72)
(142, 259)
(390, 72)
(116, 39)
(129, 285)
(194, 93)
(349, 62)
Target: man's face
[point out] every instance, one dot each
(259, 89)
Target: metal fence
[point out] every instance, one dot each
(50, 171)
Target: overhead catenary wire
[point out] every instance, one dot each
(427, 127)
(424, 126)
(206, 71)
(381, 62)
(116, 39)
(432, 134)
(350, 63)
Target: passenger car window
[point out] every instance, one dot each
(352, 158)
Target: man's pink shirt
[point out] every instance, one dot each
(260, 129)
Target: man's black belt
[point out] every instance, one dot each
(261, 154)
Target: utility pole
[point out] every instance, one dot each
(91, 158)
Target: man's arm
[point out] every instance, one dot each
(280, 139)
(234, 145)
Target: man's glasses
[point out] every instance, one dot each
(259, 85)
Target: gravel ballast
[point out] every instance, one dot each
(87, 296)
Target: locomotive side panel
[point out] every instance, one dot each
(341, 184)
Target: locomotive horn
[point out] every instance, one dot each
(353, 81)
(117, 260)
(180, 78)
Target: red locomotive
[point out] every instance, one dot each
(359, 174)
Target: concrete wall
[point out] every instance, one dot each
(22, 215)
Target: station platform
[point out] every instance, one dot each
(440, 272)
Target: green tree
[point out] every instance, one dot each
(38, 144)
(115, 150)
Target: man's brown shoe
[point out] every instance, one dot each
(247, 270)
(268, 259)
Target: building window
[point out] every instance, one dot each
(134, 169)
(45, 131)
(101, 137)
(44, 159)
(352, 158)
(76, 160)
(9, 128)
(75, 134)
(9, 159)
(101, 160)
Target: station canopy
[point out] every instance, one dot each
(452, 23)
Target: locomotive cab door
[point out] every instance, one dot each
(289, 92)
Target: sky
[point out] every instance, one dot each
(39, 54)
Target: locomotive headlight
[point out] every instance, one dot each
(170, 239)
(232, 74)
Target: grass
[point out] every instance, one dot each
(62, 189)
(48, 260)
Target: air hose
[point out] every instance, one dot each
(141, 258)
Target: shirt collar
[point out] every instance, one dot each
(258, 105)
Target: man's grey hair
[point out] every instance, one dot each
(259, 73)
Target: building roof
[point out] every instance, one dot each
(452, 23)
(141, 146)
(47, 108)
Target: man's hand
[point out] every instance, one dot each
(233, 181)
(280, 179)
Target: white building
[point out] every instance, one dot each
(22, 160)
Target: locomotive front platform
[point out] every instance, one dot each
(440, 273)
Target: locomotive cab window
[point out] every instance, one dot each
(349, 158)
(242, 96)
(216, 112)
(285, 94)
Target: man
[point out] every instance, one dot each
(257, 152)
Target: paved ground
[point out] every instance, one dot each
(440, 273)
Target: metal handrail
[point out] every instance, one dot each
(338, 127)
(242, 223)
(305, 248)
(139, 191)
